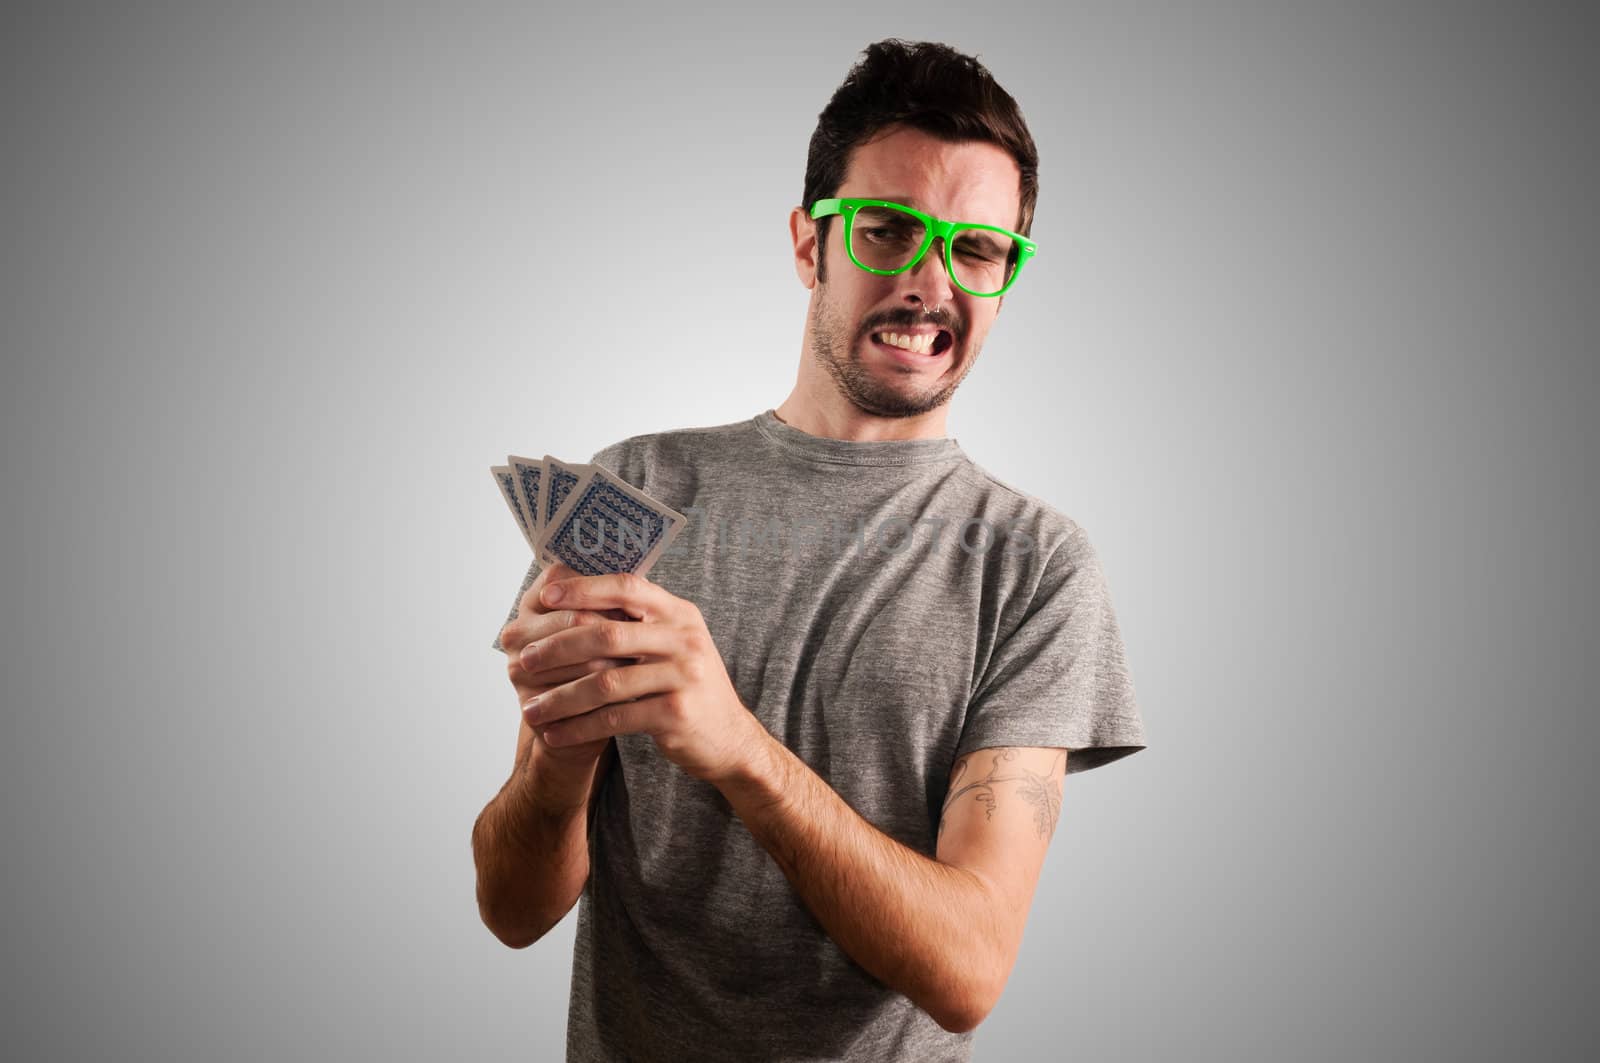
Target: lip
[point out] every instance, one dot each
(911, 358)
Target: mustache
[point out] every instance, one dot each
(911, 321)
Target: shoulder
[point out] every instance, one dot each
(1057, 540)
(642, 459)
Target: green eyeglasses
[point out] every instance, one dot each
(888, 238)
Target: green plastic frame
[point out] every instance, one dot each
(932, 228)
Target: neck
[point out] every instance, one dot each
(832, 416)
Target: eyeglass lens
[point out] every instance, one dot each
(886, 238)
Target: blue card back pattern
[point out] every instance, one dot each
(608, 530)
(561, 484)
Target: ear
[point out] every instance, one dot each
(803, 231)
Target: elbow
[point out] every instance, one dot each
(964, 1022)
(515, 942)
(967, 1012)
(510, 925)
(960, 1020)
(979, 995)
(978, 986)
(510, 934)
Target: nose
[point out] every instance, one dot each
(928, 281)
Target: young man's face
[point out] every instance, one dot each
(977, 182)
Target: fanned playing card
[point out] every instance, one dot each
(557, 478)
(527, 472)
(608, 525)
(506, 479)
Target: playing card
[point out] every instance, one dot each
(608, 525)
(557, 478)
(506, 479)
(526, 472)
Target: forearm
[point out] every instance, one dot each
(532, 861)
(922, 927)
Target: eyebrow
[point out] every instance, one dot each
(911, 202)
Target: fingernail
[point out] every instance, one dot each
(552, 593)
(530, 709)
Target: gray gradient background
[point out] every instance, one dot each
(1307, 349)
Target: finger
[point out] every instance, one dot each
(522, 679)
(604, 638)
(621, 590)
(632, 717)
(554, 677)
(602, 688)
(529, 602)
(541, 626)
(529, 683)
(533, 626)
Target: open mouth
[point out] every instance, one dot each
(928, 345)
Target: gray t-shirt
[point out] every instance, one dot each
(879, 659)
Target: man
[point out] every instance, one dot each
(804, 777)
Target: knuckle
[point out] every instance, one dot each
(694, 669)
(557, 620)
(608, 683)
(612, 719)
(612, 636)
(530, 597)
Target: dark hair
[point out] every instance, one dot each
(926, 86)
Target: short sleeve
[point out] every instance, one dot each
(527, 581)
(1060, 678)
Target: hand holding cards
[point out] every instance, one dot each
(588, 527)
(585, 515)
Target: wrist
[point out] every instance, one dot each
(548, 789)
(758, 778)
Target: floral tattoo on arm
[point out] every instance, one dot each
(1043, 792)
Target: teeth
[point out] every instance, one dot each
(917, 344)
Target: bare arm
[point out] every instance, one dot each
(925, 928)
(530, 842)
